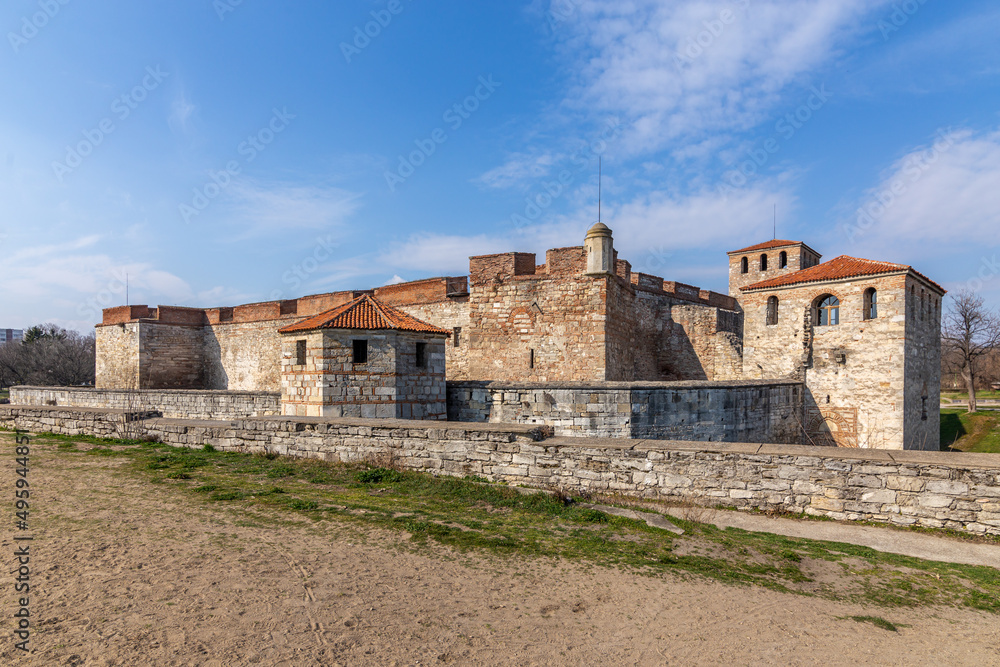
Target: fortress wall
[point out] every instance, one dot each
(173, 403)
(561, 319)
(171, 356)
(450, 314)
(705, 411)
(932, 489)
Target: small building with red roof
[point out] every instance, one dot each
(363, 359)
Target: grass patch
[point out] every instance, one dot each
(965, 432)
(877, 621)
(496, 519)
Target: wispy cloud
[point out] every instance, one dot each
(940, 194)
(518, 169)
(270, 208)
(677, 71)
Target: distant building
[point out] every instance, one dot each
(10, 334)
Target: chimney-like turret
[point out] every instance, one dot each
(600, 251)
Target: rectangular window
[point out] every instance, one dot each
(360, 352)
(531, 359)
(300, 353)
(421, 355)
(457, 336)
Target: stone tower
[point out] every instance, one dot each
(600, 250)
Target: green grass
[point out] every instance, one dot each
(877, 621)
(975, 432)
(964, 395)
(4, 393)
(471, 516)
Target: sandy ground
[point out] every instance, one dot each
(130, 573)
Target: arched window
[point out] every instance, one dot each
(772, 310)
(763, 262)
(923, 304)
(744, 265)
(783, 260)
(827, 311)
(870, 311)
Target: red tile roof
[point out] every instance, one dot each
(837, 268)
(767, 245)
(364, 312)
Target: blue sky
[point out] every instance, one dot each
(223, 152)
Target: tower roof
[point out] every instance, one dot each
(768, 245)
(838, 268)
(363, 312)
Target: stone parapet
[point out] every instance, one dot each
(934, 489)
(174, 403)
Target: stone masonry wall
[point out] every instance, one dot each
(117, 356)
(706, 411)
(172, 403)
(854, 371)
(934, 489)
(921, 407)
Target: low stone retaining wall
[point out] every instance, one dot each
(172, 403)
(753, 411)
(937, 489)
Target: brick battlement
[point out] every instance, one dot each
(431, 290)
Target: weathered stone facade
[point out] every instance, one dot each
(171, 403)
(584, 316)
(934, 489)
(709, 411)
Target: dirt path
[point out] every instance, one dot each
(132, 573)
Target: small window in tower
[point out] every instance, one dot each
(300, 353)
(360, 355)
(531, 358)
(763, 262)
(923, 305)
(783, 260)
(744, 265)
(421, 355)
(772, 310)
(871, 304)
(456, 339)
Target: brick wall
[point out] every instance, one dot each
(933, 489)
(737, 412)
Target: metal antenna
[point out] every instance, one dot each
(126, 289)
(600, 173)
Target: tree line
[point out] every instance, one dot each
(48, 356)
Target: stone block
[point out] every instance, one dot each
(882, 497)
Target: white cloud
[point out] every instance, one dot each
(937, 195)
(676, 71)
(273, 208)
(520, 167)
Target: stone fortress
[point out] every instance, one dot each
(838, 353)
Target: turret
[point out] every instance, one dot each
(600, 251)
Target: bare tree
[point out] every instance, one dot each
(48, 356)
(970, 332)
